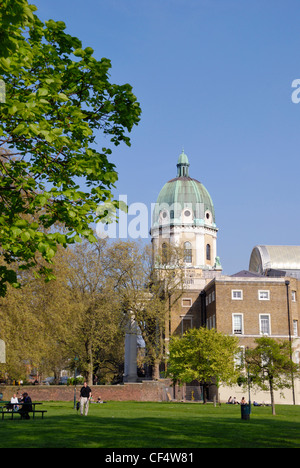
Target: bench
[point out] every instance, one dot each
(4, 411)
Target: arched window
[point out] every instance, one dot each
(164, 253)
(208, 254)
(187, 252)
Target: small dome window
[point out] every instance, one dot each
(208, 252)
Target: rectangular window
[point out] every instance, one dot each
(294, 296)
(265, 328)
(186, 302)
(295, 327)
(236, 294)
(237, 324)
(211, 322)
(264, 295)
(186, 324)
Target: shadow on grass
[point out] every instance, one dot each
(164, 429)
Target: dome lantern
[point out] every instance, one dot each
(183, 165)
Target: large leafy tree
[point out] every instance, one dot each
(147, 294)
(270, 366)
(57, 98)
(47, 324)
(98, 334)
(36, 332)
(204, 355)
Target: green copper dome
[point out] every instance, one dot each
(183, 200)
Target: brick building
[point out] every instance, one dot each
(262, 301)
(250, 306)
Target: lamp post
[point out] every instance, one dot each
(249, 383)
(287, 283)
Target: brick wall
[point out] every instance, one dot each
(145, 391)
(181, 312)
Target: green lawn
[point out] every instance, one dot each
(153, 425)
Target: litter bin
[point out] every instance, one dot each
(245, 412)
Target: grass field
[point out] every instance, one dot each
(153, 425)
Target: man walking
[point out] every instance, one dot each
(85, 395)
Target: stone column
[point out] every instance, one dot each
(130, 367)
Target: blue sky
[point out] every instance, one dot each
(214, 77)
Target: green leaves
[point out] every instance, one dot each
(202, 354)
(270, 365)
(57, 96)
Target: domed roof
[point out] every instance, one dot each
(183, 200)
(276, 257)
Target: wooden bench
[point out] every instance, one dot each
(4, 411)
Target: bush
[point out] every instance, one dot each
(75, 381)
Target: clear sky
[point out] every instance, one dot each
(214, 77)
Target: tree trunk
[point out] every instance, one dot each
(90, 365)
(56, 376)
(272, 397)
(155, 375)
(205, 393)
